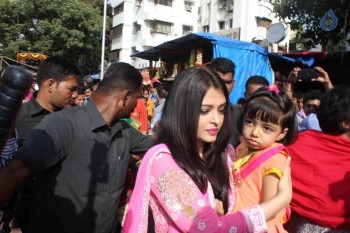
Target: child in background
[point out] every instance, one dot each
(149, 104)
(140, 114)
(88, 94)
(79, 100)
(268, 124)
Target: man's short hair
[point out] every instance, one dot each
(88, 80)
(223, 65)
(312, 94)
(298, 94)
(257, 80)
(335, 109)
(57, 68)
(119, 76)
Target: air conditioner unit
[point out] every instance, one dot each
(188, 8)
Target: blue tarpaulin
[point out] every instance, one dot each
(249, 58)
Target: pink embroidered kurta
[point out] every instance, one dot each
(178, 205)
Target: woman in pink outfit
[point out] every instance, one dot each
(186, 179)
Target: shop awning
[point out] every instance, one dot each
(250, 58)
(175, 50)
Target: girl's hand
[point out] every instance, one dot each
(219, 207)
(285, 189)
(283, 196)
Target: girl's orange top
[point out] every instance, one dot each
(249, 189)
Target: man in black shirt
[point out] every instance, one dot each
(58, 80)
(80, 157)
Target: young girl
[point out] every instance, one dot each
(186, 178)
(268, 124)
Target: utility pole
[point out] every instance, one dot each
(103, 39)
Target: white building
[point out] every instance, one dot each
(141, 24)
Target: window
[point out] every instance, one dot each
(136, 28)
(187, 30)
(221, 25)
(231, 23)
(161, 27)
(117, 31)
(188, 6)
(119, 9)
(164, 2)
(114, 55)
(205, 28)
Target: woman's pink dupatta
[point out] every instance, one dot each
(137, 215)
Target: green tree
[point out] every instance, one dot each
(70, 28)
(305, 16)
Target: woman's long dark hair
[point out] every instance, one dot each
(178, 130)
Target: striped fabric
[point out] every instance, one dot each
(8, 151)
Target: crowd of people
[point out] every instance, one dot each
(115, 155)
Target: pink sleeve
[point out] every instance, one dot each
(176, 201)
(231, 154)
